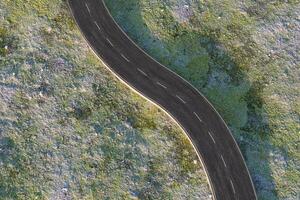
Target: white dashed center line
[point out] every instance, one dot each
(158, 83)
(87, 7)
(178, 97)
(223, 161)
(109, 42)
(97, 25)
(211, 137)
(197, 116)
(232, 186)
(142, 72)
(125, 58)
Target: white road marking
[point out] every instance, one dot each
(211, 137)
(87, 7)
(198, 116)
(158, 83)
(223, 161)
(125, 58)
(97, 25)
(180, 99)
(142, 72)
(232, 186)
(109, 42)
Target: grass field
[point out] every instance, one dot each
(70, 130)
(244, 56)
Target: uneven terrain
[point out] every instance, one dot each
(244, 56)
(70, 130)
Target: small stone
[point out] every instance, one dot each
(64, 190)
(49, 30)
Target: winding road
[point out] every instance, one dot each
(226, 170)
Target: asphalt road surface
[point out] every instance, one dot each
(224, 164)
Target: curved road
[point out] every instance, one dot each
(224, 164)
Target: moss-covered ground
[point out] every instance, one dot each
(244, 56)
(69, 129)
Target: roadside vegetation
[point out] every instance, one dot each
(244, 56)
(69, 129)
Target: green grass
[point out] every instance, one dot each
(242, 56)
(66, 122)
(69, 129)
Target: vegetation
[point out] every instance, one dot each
(243, 56)
(69, 129)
